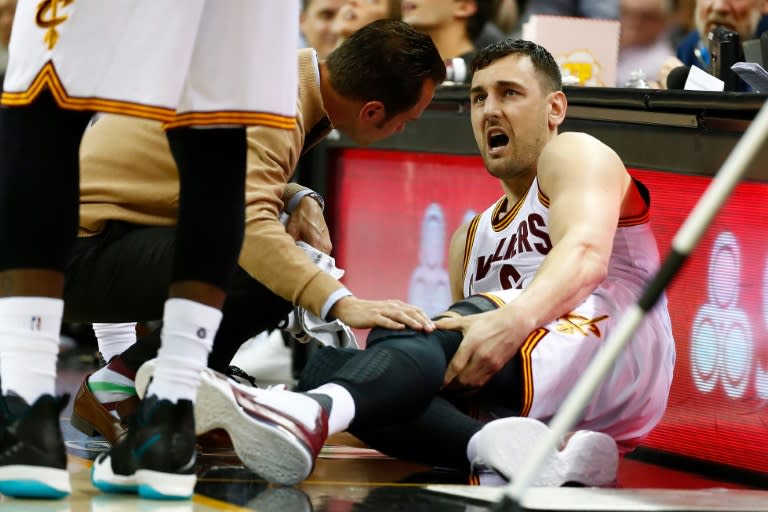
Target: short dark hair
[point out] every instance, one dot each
(388, 61)
(542, 60)
(486, 9)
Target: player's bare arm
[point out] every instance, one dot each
(456, 261)
(586, 183)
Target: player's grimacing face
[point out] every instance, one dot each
(509, 115)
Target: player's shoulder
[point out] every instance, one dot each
(574, 148)
(575, 141)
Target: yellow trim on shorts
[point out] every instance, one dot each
(232, 118)
(47, 77)
(526, 350)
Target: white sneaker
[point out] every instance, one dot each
(276, 433)
(588, 458)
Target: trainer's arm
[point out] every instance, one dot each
(270, 255)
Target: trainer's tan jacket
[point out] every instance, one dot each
(128, 174)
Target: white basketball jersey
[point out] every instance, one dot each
(505, 247)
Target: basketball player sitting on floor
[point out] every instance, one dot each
(540, 278)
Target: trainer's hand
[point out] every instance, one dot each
(489, 343)
(308, 225)
(390, 314)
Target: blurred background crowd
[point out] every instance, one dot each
(655, 35)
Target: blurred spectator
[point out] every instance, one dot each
(315, 25)
(644, 43)
(503, 18)
(507, 14)
(607, 9)
(684, 20)
(355, 14)
(453, 25)
(747, 17)
(7, 10)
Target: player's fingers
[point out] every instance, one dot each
(389, 323)
(474, 374)
(456, 365)
(451, 324)
(411, 316)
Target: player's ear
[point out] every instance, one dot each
(557, 106)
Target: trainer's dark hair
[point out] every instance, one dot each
(542, 60)
(385, 61)
(475, 23)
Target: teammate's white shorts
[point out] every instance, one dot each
(633, 396)
(185, 62)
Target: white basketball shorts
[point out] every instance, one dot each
(633, 395)
(184, 62)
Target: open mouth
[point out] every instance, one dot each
(497, 139)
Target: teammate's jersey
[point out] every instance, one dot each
(506, 246)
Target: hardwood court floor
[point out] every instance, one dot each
(348, 477)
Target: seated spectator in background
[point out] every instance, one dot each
(684, 20)
(603, 9)
(453, 26)
(355, 14)
(644, 43)
(315, 24)
(503, 18)
(747, 17)
(507, 15)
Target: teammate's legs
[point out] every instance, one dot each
(38, 223)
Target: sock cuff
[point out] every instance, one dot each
(41, 314)
(122, 329)
(189, 311)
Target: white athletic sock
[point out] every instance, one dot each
(187, 337)
(113, 339)
(111, 387)
(343, 408)
(29, 345)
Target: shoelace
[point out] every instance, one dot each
(235, 373)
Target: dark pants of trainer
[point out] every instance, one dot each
(123, 274)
